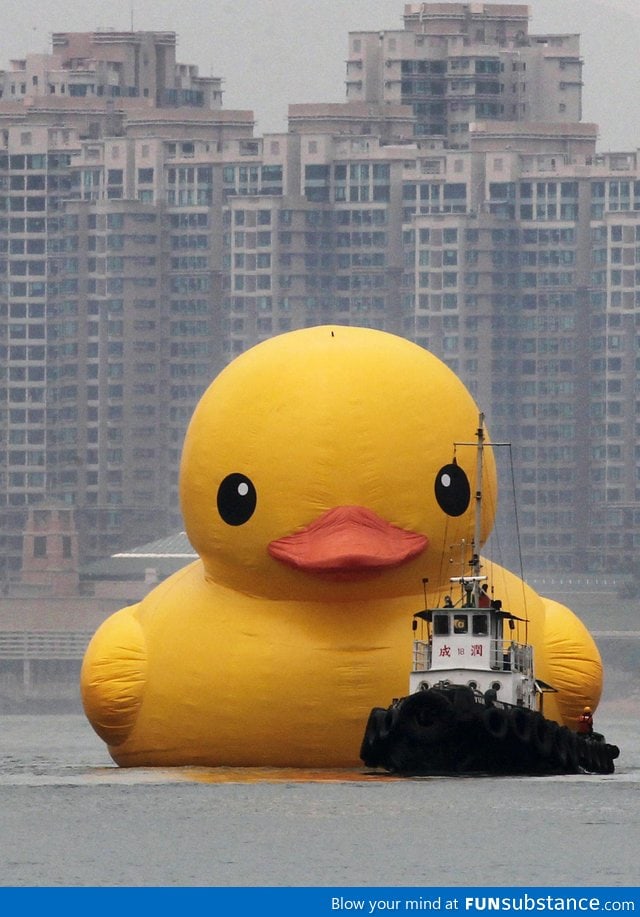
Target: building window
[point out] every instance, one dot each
(40, 546)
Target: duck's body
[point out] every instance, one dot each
(274, 682)
(308, 491)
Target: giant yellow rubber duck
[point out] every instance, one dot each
(312, 490)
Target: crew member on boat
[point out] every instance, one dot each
(585, 722)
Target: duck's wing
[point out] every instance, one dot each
(113, 676)
(573, 660)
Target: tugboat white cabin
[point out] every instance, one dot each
(466, 645)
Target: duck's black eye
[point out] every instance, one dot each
(236, 499)
(452, 490)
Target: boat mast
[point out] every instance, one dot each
(477, 534)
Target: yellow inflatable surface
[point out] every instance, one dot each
(307, 488)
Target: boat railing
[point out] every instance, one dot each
(516, 657)
(421, 655)
(504, 656)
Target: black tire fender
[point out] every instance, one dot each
(521, 723)
(614, 752)
(603, 759)
(542, 735)
(496, 722)
(464, 704)
(425, 713)
(387, 722)
(561, 745)
(372, 741)
(572, 744)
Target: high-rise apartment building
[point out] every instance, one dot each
(109, 282)
(457, 63)
(147, 237)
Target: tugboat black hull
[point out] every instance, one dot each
(452, 731)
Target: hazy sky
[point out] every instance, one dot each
(309, 38)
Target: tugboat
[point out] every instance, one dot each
(474, 704)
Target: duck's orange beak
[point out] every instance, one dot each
(348, 542)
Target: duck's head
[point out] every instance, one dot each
(322, 464)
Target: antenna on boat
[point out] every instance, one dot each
(462, 546)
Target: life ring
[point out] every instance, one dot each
(496, 722)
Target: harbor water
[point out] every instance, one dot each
(70, 817)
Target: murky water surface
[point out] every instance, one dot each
(70, 817)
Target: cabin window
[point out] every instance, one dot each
(441, 625)
(480, 625)
(460, 624)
